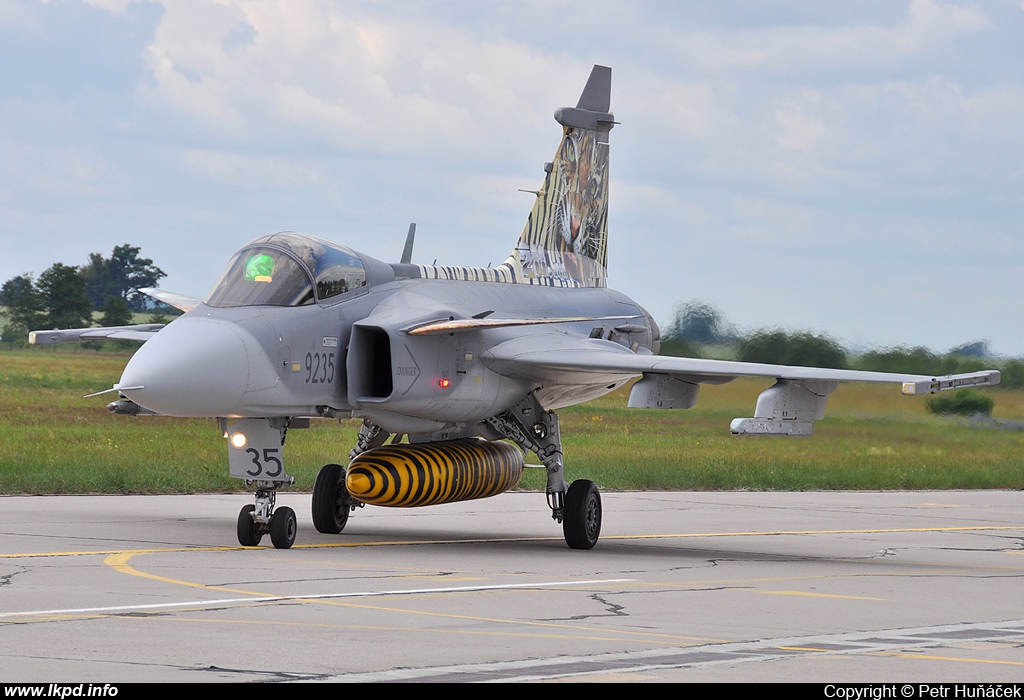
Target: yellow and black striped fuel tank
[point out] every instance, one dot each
(404, 476)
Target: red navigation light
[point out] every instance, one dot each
(443, 383)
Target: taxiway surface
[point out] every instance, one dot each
(827, 587)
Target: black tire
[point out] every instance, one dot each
(248, 535)
(581, 520)
(330, 500)
(283, 527)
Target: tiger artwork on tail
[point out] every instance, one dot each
(565, 240)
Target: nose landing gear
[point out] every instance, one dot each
(256, 454)
(255, 521)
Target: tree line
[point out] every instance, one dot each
(698, 329)
(66, 296)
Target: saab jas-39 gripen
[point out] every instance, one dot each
(467, 365)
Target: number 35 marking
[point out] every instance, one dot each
(269, 456)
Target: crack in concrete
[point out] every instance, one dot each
(268, 676)
(6, 579)
(613, 608)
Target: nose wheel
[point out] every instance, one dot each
(259, 519)
(283, 528)
(249, 534)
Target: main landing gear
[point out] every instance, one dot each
(578, 507)
(581, 517)
(331, 500)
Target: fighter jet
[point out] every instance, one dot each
(463, 369)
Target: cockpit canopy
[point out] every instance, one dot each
(288, 269)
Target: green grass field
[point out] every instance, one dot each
(56, 441)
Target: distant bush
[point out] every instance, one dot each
(700, 329)
(803, 349)
(674, 347)
(1012, 374)
(918, 360)
(903, 360)
(958, 364)
(965, 402)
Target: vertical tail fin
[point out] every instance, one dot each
(565, 240)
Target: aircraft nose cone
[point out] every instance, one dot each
(195, 367)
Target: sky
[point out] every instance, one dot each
(853, 168)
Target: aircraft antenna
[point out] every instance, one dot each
(409, 238)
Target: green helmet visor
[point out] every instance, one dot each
(259, 268)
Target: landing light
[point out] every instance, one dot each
(238, 440)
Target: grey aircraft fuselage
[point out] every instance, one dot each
(349, 354)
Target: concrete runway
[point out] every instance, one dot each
(825, 587)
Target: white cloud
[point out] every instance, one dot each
(844, 145)
(930, 24)
(17, 14)
(796, 129)
(117, 6)
(338, 75)
(812, 49)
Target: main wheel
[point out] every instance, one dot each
(283, 528)
(581, 519)
(248, 535)
(330, 500)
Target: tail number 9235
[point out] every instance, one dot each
(319, 367)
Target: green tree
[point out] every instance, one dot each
(978, 348)
(804, 349)
(678, 348)
(1013, 374)
(903, 360)
(24, 307)
(64, 297)
(920, 360)
(99, 284)
(122, 274)
(116, 313)
(162, 313)
(699, 322)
